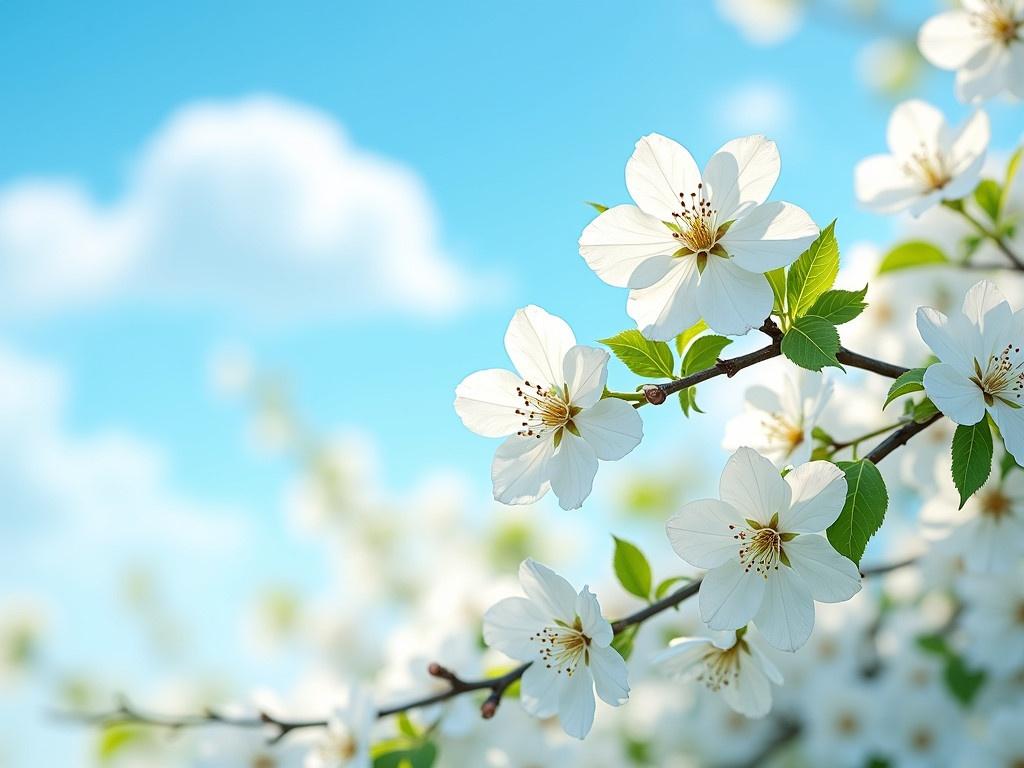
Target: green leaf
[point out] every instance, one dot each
(1011, 172)
(813, 272)
(704, 353)
(683, 339)
(962, 681)
(623, 642)
(117, 737)
(923, 411)
(911, 381)
(913, 253)
(863, 512)
(777, 280)
(663, 588)
(399, 753)
(632, 568)
(972, 458)
(406, 726)
(688, 401)
(1007, 464)
(838, 306)
(988, 195)
(597, 206)
(650, 359)
(812, 343)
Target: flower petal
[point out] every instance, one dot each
(684, 658)
(585, 371)
(539, 690)
(943, 336)
(595, 626)
(914, 125)
(702, 533)
(769, 236)
(732, 300)
(741, 175)
(667, 308)
(576, 704)
(987, 310)
(611, 678)
(985, 75)
(753, 485)
(883, 186)
(553, 595)
(830, 577)
(969, 146)
(818, 495)
(572, 471)
(954, 394)
(730, 595)
(751, 693)
(1011, 426)
(612, 427)
(486, 401)
(659, 170)
(510, 624)
(520, 472)
(786, 616)
(628, 248)
(536, 342)
(948, 40)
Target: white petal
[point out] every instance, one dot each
(818, 495)
(611, 680)
(948, 40)
(520, 472)
(764, 399)
(595, 626)
(730, 596)
(985, 75)
(1011, 426)
(786, 617)
(656, 174)
(883, 186)
(741, 175)
(539, 690)
(684, 658)
(553, 595)
(830, 577)
(969, 145)
(767, 665)
(752, 485)
(702, 532)
(585, 371)
(751, 693)
(510, 624)
(572, 471)
(769, 236)
(943, 336)
(954, 394)
(486, 401)
(913, 125)
(1015, 72)
(628, 248)
(732, 300)
(986, 309)
(536, 342)
(613, 428)
(576, 703)
(667, 308)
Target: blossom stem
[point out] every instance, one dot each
(840, 445)
(997, 239)
(900, 437)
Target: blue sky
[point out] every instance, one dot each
(511, 115)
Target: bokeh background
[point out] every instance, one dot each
(243, 246)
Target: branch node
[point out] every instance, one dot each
(655, 395)
(490, 706)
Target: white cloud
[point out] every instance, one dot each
(260, 204)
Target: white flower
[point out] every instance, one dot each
(993, 621)
(568, 643)
(1003, 745)
(981, 368)
(697, 245)
(841, 721)
(779, 419)
(345, 743)
(984, 42)
(731, 665)
(930, 162)
(553, 410)
(761, 544)
(921, 731)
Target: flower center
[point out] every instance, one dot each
(563, 646)
(544, 410)
(263, 761)
(761, 546)
(694, 226)
(994, 503)
(929, 168)
(996, 21)
(921, 740)
(720, 667)
(1002, 378)
(780, 431)
(847, 723)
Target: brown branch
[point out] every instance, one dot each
(882, 368)
(900, 437)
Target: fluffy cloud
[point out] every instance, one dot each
(259, 205)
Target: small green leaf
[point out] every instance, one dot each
(962, 681)
(683, 339)
(908, 382)
(777, 280)
(406, 726)
(688, 400)
(863, 512)
(117, 737)
(839, 306)
(1012, 167)
(1007, 464)
(650, 359)
(623, 642)
(820, 434)
(813, 272)
(988, 195)
(399, 753)
(632, 569)
(704, 353)
(913, 253)
(972, 458)
(812, 342)
(667, 584)
(597, 206)
(923, 411)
